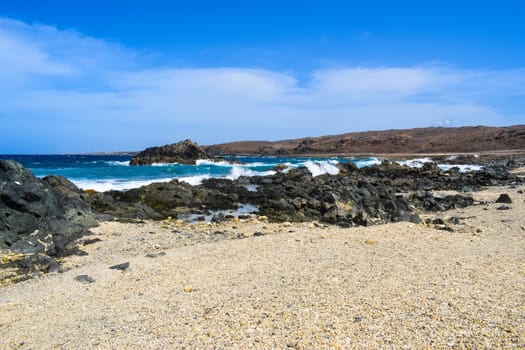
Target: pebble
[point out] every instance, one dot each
(504, 198)
(84, 279)
(91, 241)
(155, 255)
(122, 267)
(503, 207)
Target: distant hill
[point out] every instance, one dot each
(410, 141)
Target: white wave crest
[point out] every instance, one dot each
(238, 171)
(164, 164)
(114, 184)
(415, 163)
(212, 163)
(367, 162)
(463, 168)
(117, 163)
(194, 180)
(263, 164)
(321, 167)
(419, 162)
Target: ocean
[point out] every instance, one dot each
(113, 172)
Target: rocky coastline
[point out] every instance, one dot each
(453, 281)
(382, 193)
(427, 253)
(43, 220)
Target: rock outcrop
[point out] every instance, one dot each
(184, 152)
(39, 219)
(353, 197)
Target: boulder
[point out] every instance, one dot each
(504, 198)
(184, 152)
(39, 216)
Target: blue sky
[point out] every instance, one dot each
(83, 76)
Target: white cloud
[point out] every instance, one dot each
(363, 81)
(61, 87)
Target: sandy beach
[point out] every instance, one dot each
(254, 284)
(232, 175)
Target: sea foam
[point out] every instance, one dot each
(118, 175)
(322, 167)
(114, 184)
(207, 162)
(414, 163)
(117, 163)
(463, 168)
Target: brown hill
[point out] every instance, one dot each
(411, 141)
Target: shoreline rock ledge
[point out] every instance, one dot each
(183, 152)
(41, 220)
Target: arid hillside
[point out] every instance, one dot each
(410, 141)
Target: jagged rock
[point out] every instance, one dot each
(184, 152)
(38, 216)
(431, 202)
(504, 198)
(39, 220)
(355, 196)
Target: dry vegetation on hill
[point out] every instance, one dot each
(423, 140)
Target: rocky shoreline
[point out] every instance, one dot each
(434, 259)
(251, 283)
(44, 220)
(41, 221)
(383, 193)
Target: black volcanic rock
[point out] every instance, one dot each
(39, 216)
(366, 196)
(504, 198)
(184, 152)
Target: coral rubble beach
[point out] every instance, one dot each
(456, 279)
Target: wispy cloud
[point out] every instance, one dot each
(62, 91)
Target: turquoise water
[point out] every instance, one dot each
(106, 172)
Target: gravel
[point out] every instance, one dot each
(295, 286)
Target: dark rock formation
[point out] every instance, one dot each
(504, 198)
(39, 218)
(184, 152)
(293, 196)
(341, 200)
(354, 197)
(430, 177)
(431, 202)
(160, 200)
